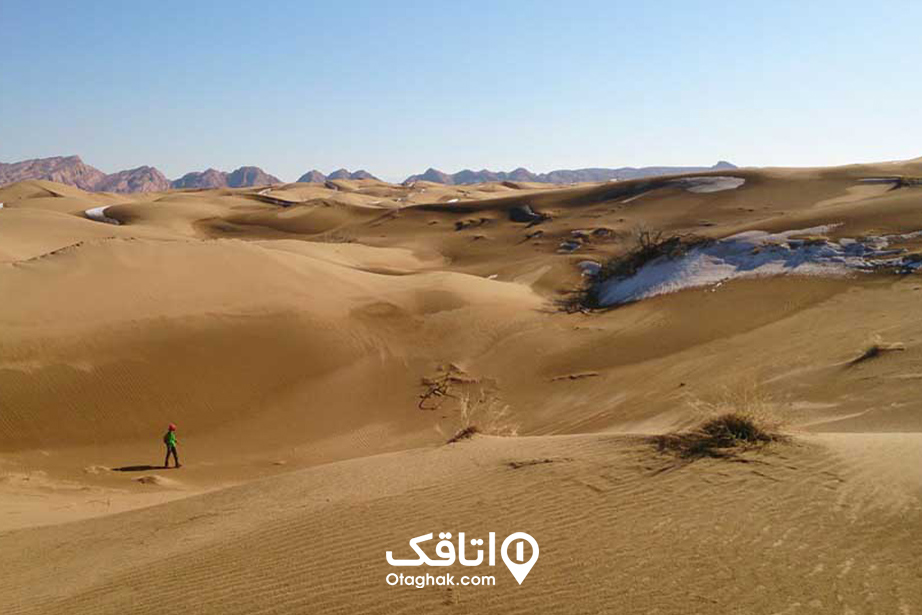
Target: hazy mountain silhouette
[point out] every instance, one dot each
(561, 176)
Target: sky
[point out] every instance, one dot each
(397, 87)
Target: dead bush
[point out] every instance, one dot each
(648, 246)
(742, 418)
(876, 348)
(721, 436)
(483, 413)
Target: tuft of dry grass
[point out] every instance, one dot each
(719, 437)
(468, 432)
(742, 419)
(482, 414)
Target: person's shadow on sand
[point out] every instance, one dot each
(143, 468)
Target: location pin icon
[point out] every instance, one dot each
(519, 570)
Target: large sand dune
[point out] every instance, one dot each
(299, 336)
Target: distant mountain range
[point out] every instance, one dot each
(73, 171)
(316, 177)
(212, 178)
(562, 176)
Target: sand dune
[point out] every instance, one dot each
(786, 537)
(317, 344)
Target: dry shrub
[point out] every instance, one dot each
(719, 437)
(468, 432)
(741, 420)
(876, 348)
(482, 413)
(333, 237)
(648, 246)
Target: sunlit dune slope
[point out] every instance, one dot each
(790, 527)
(308, 322)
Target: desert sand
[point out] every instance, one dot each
(317, 344)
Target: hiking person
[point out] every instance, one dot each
(169, 439)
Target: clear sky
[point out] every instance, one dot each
(396, 87)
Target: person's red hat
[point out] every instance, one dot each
(172, 427)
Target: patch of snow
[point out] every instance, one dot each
(716, 183)
(635, 197)
(880, 180)
(757, 254)
(453, 200)
(704, 184)
(589, 268)
(99, 215)
(569, 246)
(1, 205)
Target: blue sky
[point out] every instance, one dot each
(395, 87)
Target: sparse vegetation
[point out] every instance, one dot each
(876, 348)
(721, 436)
(483, 413)
(742, 419)
(333, 237)
(810, 240)
(648, 245)
(909, 182)
(446, 384)
(516, 465)
(464, 434)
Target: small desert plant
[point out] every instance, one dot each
(468, 432)
(483, 413)
(908, 182)
(721, 436)
(741, 420)
(448, 383)
(333, 237)
(648, 245)
(876, 347)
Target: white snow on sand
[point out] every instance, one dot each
(705, 184)
(754, 254)
(99, 215)
(714, 183)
